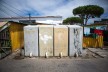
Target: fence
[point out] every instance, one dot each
(5, 43)
(93, 42)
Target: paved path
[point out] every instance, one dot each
(101, 52)
(54, 65)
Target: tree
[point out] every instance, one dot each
(88, 11)
(72, 20)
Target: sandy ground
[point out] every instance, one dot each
(90, 62)
(54, 65)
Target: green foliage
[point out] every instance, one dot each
(88, 11)
(72, 20)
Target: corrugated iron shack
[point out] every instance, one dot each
(11, 37)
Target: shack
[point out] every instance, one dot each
(11, 37)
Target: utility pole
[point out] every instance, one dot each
(29, 18)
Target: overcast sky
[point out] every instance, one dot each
(11, 8)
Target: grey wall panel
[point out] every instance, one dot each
(71, 42)
(46, 40)
(60, 40)
(75, 40)
(31, 40)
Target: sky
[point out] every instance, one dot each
(64, 8)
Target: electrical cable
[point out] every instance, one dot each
(11, 6)
(10, 10)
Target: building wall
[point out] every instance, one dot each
(46, 19)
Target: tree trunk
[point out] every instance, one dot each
(83, 26)
(83, 29)
(85, 23)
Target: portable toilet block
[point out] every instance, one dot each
(60, 40)
(75, 40)
(46, 40)
(31, 40)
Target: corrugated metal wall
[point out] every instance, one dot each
(17, 35)
(93, 42)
